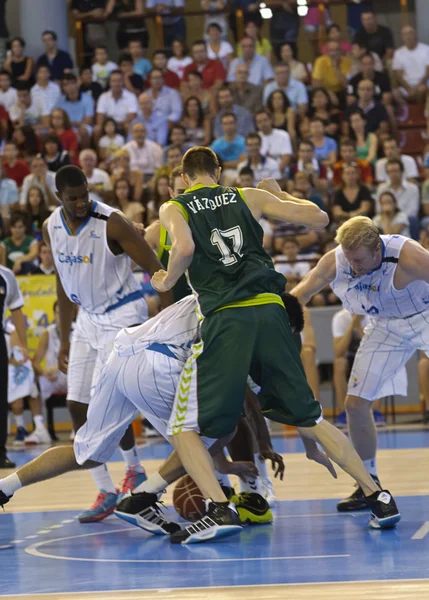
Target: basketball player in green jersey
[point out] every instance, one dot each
(215, 236)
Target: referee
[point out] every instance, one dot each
(10, 298)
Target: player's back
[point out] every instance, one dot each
(92, 276)
(229, 263)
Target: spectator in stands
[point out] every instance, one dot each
(263, 46)
(8, 94)
(15, 169)
(407, 194)
(391, 149)
(47, 91)
(348, 157)
(42, 178)
(380, 80)
(160, 61)
(307, 163)
(225, 104)
(28, 111)
(366, 142)
(166, 101)
(79, 108)
(180, 58)
(324, 146)
(99, 185)
(8, 192)
(173, 23)
(391, 220)
(375, 38)
(132, 28)
(230, 147)
(111, 141)
(194, 88)
(304, 183)
(123, 199)
(118, 103)
(331, 71)
(334, 34)
(246, 178)
(17, 64)
(262, 166)
(245, 94)
(260, 69)
(353, 199)
(61, 127)
(357, 53)
(37, 211)
(19, 249)
(53, 153)
(297, 69)
(411, 67)
(177, 139)
(141, 65)
(155, 123)
(26, 141)
(4, 31)
(281, 113)
(284, 27)
(173, 159)
(94, 33)
(276, 143)
(161, 194)
(214, 17)
(57, 61)
(321, 108)
(102, 67)
(375, 112)
(87, 86)
(123, 170)
(46, 262)
(212, 71)
(197, 125)
(218, 48)
(133, 83)
(288, 263)
(294, 89)
(146, 155)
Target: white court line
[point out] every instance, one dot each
(421, 532)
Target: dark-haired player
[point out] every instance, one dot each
(92, 245)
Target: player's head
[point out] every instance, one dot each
(177, 185)
(294, 311)
(360, 241)
(72, 191)
(200, 162)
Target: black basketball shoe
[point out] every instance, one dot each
(384, 512)
(143, 510)
(221, 520)
(252, 508)
(357, 501)
(6, 463)
(4, 499)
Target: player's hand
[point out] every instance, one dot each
(19, 356)
(322, 459)
(63, 358)
(51, 374)
(277, 462)
(269, 184)
(160, 281)
(139, 227)
(242, 469)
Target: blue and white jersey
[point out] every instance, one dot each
(91, 275)
(374, 294)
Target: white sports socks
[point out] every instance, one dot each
(102, 479)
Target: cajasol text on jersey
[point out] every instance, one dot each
(75, 259)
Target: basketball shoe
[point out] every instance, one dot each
(39, 436)
(131, 480)
(384, 512)
(104, 505)
(143, 510)
(221, 520)
(357, 501)
(252, 508)
(4, 499)
(20, 437)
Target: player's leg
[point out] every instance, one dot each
(424, 384)
(17, 409)
(40, 434)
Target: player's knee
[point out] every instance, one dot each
(356, 406)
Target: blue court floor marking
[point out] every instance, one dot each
(265, 555)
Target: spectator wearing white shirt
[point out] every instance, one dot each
(41, 178)
(411, 67)
(166, 101)
(289, 264)
(29, 112)
(262, 166)
(276, 143)
(218, 48)
(180, 59)
(260, 69)
(102, 67)
(8, 94)
(407, 194)
(391, 150)
(99, 184)
(295, 90)
(118, 103)
(45, 89)
(391, 220)
(146, 156)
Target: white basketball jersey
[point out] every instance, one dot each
(176, 326)
(374, 293)
(54, 343)
(91, 275)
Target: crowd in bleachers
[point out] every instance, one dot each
(329, 131)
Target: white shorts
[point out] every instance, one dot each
(91, 343)
(49, 388)
(145, 384)
(21, 382)
(379, 366)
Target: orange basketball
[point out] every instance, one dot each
(188, 500)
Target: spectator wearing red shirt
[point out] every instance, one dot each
(4, 123)
(61, 127)
(159, 61)
(348, 156)
(212, 71)
(15, 168)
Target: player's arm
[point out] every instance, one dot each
(18, 319)
(151, 235)
(121, 233)
(322, 275)
(41, 352)
(182, 247)
(413, 264)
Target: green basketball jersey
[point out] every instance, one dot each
(181, 289)
(229, 265)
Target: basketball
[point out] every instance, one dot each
(188, 499)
